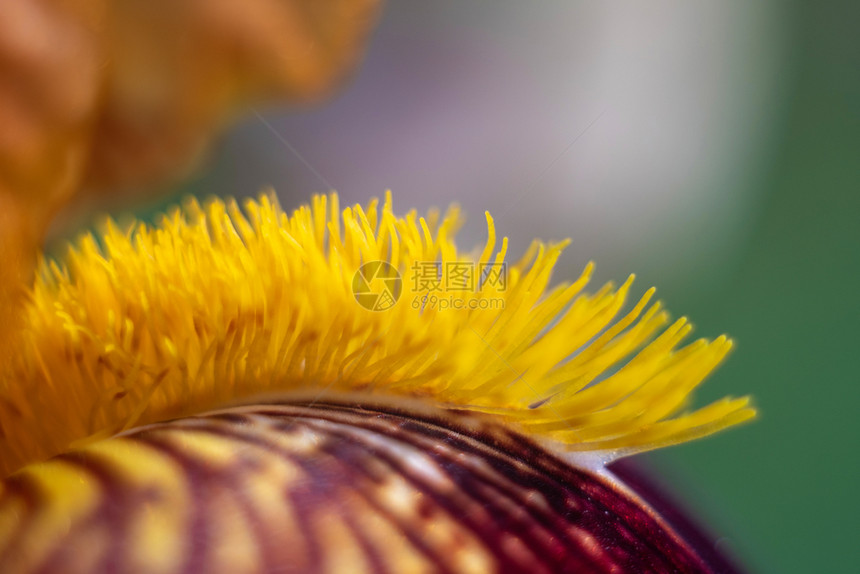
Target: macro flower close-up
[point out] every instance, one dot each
(227, 346)
(354, 390)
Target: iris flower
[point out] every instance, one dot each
(327, 390)
(252, 390)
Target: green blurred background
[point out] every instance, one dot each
(785, 487)
(713, 149)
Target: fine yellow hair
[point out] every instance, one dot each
(217, 304)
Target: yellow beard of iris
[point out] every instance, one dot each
(214, 306)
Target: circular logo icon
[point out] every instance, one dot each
(377, 285)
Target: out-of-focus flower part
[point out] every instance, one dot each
(98, 95)
(177, 69)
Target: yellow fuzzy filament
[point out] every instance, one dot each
(215, 305)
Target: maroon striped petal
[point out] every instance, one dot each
(332, 487)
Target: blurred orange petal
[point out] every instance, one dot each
(100, 95)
